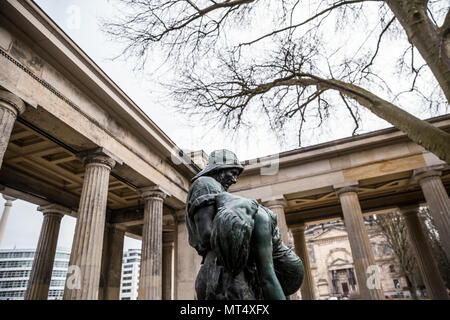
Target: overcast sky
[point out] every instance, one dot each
(24, 222)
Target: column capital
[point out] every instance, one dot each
(407, 211)
(99, 156)
(54, 209)
(427, 172)
(180, 216)
(298, 227)
(277, 201)
(154, 192)
(9, 200)
(168, 238)
(349, 186)
(11, 102)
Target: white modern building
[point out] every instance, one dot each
(15, 269)
(129, 283)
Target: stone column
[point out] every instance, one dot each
(10, 107)
(187, 262)
(425, 261)
(307, 288)
(86, 255)
(359, 239)
(111, 263)
(277, 205)
(437, 201)
(41, 271)
(167, 266)
(150, 280)
(4, 219)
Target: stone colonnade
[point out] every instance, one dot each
(97, 247)
(439, 206)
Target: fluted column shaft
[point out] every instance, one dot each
(89, 231)
(167, 264)
(438, 202)
(307, 288)
(277, 206)
(187, 262)
(427, 264)
(10, 107)
(111, 264)
(41, 271)
(150, 280)
(5, 215)
(359, 241)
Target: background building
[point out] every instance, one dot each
(129, 282)
(15, 269)
(332, 263)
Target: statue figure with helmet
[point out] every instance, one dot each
(243, 256)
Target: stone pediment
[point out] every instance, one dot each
(339, 262)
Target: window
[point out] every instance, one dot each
(127, 278)
(14, 284)
(128, 284)
(132, 260)
(15, 274)
(126, 290)
(55, 293)
(396, 283)
(128, 272)
(57, 283)
(128, 266)
(16, 264)
(387, 250)
(126, 298)
(27, 254)
(64, 256)
(59, 274)
(61, 264)
(12, 294)
(391, 268)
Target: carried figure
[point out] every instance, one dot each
(243, 255)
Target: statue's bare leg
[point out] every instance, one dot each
(262, 233)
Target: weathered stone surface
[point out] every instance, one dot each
(424, 259)
(187, 263)
(167, 267)
(438, 201)
(109, 288)
(5, 215)
(307, 288)
(359, 240)
(150, 280)
(10, 107)
(89, 231)
(41, 272)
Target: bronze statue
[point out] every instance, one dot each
(243, 255)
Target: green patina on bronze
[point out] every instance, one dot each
(243, 255)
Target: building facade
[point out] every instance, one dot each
(332, 264)
(129, 284)
(15, 270)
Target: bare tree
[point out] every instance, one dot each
(394, 230)
(291, 63)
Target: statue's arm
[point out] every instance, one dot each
(203, 220)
